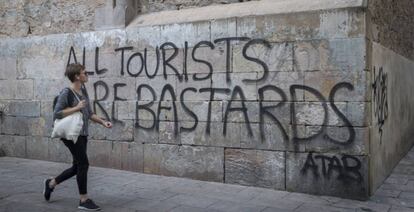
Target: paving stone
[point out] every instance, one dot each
(235, 207)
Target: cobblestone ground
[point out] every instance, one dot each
(21, 185)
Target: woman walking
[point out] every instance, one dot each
(67, 104)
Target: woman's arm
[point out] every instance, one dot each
(99, 120)
(62, 108)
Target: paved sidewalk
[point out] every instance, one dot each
(21, 184)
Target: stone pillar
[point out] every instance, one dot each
(115, 14)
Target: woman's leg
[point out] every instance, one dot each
(70, 172)
(82, 165)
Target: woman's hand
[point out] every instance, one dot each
(107, 124)
(80, 105)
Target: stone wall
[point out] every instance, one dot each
(278, 101)
(20, 18)
(392, 25)
(392, 110)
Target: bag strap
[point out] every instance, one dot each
(75, 94)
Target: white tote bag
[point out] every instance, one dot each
(68, 127)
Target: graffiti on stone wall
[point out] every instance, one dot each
(237, 93)
(346, 169)
(380, 98)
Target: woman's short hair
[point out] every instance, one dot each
(72, 70)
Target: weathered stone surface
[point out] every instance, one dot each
(189, 86)
(21, 108)
(325, 81)
(8, 68)
(223, 28)
(274, 137)
(236, 79)
(156, 84)
(344, 176)
(41, 67)
(58, 152)
(216, 136)
(125, 110)
(144, 37)
(22, 126)
(99, 152)
(202, 163)
(13, 146)
(276, 56)
(186, 32)
(342, 24)
(16, 89)
(255, 168)
(127, 156)
(341, 142)
(337, 54)
(48, 89)
(120, 131)
(106, 88)
(169, 132)
(200, 109)
(282, 81)
(142, 135)
(37, 147)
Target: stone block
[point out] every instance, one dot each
(144, 37)
(311, 55)
(13, 146)
(281, 27)
(328, 174)
(238, 116)
(333, 55)
(272, 138)
(106, 88)
(48, 89)
(324, 82)
(24, 89)
(313, 113)
(37, 147)
(201, 163)
(107, 64)
(186, 32)
(216, 57)
(191, 95)
(279, 110)
(255, 168)
(7, 89)
(342, 24)
(120, 131)
(283, 81)
(200, 109)
(156, 85)
(128, 156)
(99, 153)
(223, 28)
(341, 141)
(58, 152)
(236, 79)
(169, 132)
(357, 113)
(8, 68)
(125, 110)
(276, 56)
(142, 135)
(23, 108)
(22, 126)
(216, 136)
(41, 68)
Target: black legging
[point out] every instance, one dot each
(80, 164)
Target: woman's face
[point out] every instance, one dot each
(83, 76)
